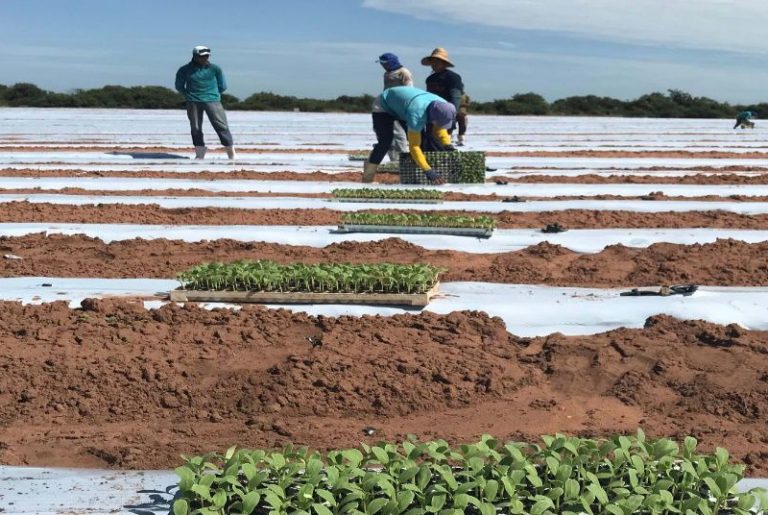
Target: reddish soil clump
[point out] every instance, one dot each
(114, 385)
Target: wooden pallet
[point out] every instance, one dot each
(409, 229)
(260, 297)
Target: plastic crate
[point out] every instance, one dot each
(454, 167)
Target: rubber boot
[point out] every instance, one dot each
(200, 152)
(461, 141)
(369, 171)
(230, 152)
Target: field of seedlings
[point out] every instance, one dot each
(608, 275)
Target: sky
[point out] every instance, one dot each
(328, 48)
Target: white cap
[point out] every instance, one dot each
(201, 50)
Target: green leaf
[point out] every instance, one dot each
(186, 478)
(571, 489)
(747, 502)
(381, 455)
(541, 506)
(491, 490)
(404, 500)
(437, 502)
(353, 456)
(376, 505)
(722, 456)
(202, 490)
(408, 474)
(180, 507)
(598, 492)
(713, 488)
(250, 501)
(321, 509)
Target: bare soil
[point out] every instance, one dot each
(724, 263)
(114, 385)
(448, 196)
(19, 212)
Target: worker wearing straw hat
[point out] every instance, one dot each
(443, 82)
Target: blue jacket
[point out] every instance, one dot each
(200, 83)
(408, 104)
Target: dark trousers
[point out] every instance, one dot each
(461, 120)
(383, 126)
(216, 115)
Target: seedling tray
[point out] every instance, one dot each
(403, 229)
(261, 297)
(390, 200)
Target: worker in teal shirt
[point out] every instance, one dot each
(421, 111)
(202, 83)
(744, 119)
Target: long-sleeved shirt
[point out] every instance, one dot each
(200, 83)
(448, 85)
(412, 105)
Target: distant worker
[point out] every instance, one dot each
(202, 83)
(395, 74)
(443, 82)
(421, 111)
(744, 120)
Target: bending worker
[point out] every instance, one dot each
(744, 120)
(420, 111)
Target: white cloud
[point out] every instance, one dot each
(732, 25)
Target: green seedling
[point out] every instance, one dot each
(562, 475)
(268, 276)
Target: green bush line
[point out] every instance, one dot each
(570, 476)
(419, 220)
(673, 104)
(268, 276)
(379, 193)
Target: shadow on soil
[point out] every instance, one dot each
(149, 155)
(158, 503)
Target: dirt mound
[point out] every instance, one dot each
(725, 262)
(24, 212)
(396, 366)
(114, 385)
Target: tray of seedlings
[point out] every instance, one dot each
(267, 282)
(559, 474)
(416, 223)
(389, 196)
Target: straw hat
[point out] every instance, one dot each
(437, 53)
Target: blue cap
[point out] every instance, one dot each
(390, 61)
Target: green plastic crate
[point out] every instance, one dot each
(454, 167)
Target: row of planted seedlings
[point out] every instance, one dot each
(418, 223)
(562, 475)
(419, 195)
(264, 280)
